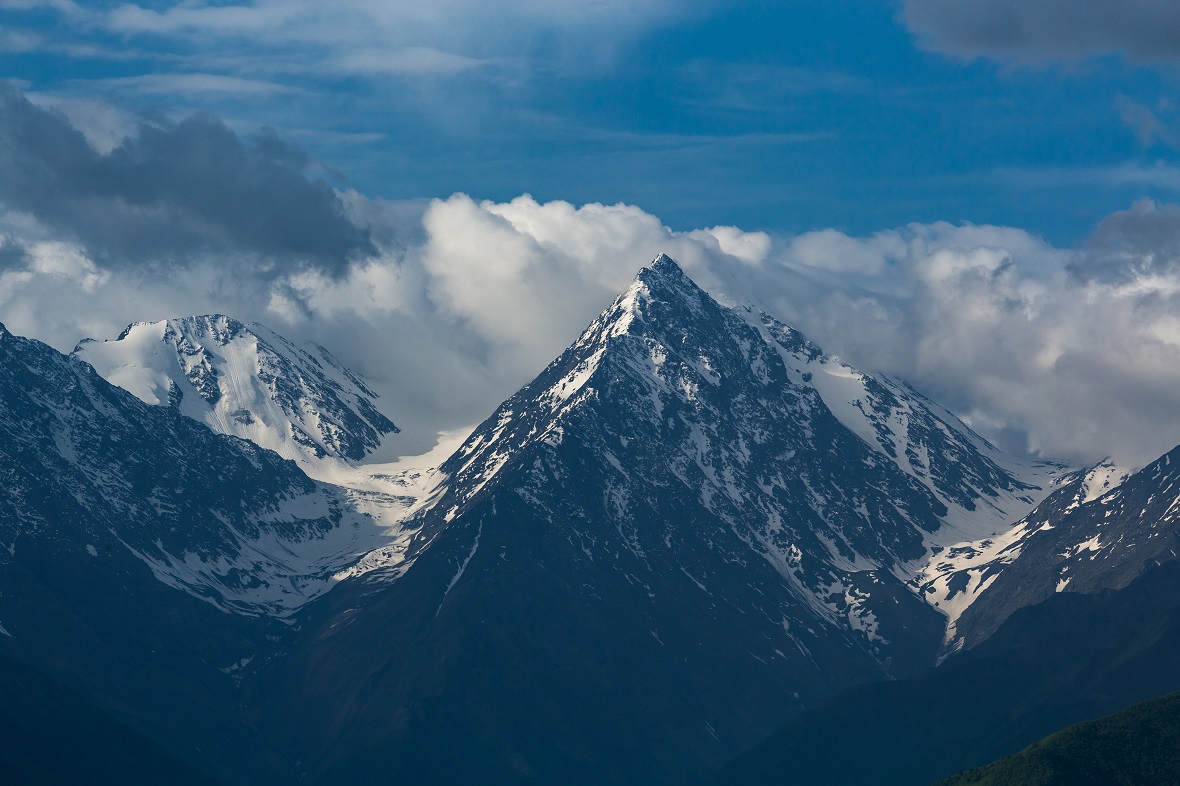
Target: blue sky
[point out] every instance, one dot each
(786, 116)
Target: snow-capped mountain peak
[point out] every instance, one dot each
(838, 479)
(89, 467)
(689, 489)
(248, 381)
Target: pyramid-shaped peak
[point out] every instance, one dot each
(663, 260)
(661, 298)
(664, 279)
(662, 265)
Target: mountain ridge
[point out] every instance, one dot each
(688, 490)
(1068, 659)
(248, 381)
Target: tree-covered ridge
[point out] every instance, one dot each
(1139, 746)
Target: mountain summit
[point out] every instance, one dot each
(248, 381)
(684, 474)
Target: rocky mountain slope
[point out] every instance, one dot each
(690, 525)
(1070, 659)
(127, 532)
(689, 528)
(1100, 530)
(90, 470)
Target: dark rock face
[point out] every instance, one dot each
(1074, 545)
(640, 564)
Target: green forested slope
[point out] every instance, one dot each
(1139, 746)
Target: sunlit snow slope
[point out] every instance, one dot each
(248, 381)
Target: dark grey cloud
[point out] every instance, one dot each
(1048, 29)
(172, 191)
(1143, 240)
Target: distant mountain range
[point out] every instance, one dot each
(692, 527)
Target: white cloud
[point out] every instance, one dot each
(991, 320)
(1069, 353)
(65, 261)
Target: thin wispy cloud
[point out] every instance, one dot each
(1159, 124)
(363, 38)
(1158, 175)
(169, 84)
(66, 7)
(765, 87)
(19, 41)
(419, 60)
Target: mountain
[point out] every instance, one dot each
(145, 560)
(689, 526)
(1069, 659)
(693, 526)
(300, 402)
(1136, 747)
(248, 381)
(216, 517)
(1099, 530)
